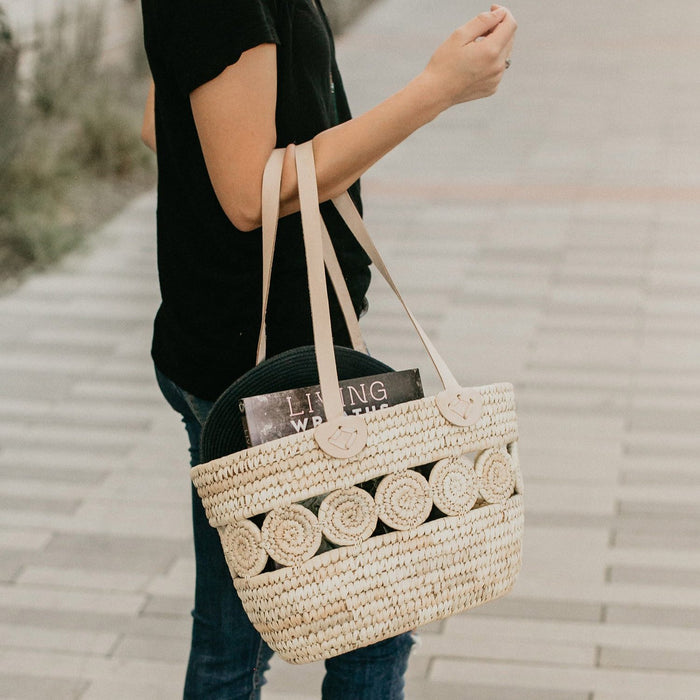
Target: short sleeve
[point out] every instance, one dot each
(201, 38)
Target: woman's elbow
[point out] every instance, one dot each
(246, 216)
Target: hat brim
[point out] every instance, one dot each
(223, 434)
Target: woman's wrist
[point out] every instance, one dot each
(431, 95)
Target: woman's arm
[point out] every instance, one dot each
(235, 117)
(148, 128)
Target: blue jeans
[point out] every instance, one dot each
(228, 658)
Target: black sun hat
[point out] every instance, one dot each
(223, 430)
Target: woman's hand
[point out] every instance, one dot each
(469, 65)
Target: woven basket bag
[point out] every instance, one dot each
(322, 563)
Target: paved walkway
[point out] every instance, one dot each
(548, 236)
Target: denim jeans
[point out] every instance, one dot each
(228, 658)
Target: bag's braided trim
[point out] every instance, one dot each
(294, 468)
(354, 596)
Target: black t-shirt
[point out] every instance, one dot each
(205, 332)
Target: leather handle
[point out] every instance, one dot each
(346, 208)
(272, 176)
(312, 225)
(318, 293)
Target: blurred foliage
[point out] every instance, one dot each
(67, 59)
(78, 155)
(9, 54)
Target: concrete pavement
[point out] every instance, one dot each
(547, 236)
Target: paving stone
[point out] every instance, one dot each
(679, 686)
(138, 555)
(109, 689)
(44, 505)
(571, 654)
(176, 582)
(47, 475)
(658, 477)
(170, 649)
(18, 687)
(515, 607)
(168, 605)
(650, 575)
(45, 598)
(562, 498)
(83, 578)
(68, 460)
(437, 690)
(123, 518)
(649, 659)
(631, 537)
(72, 640)
(658, 615)
(11, 564)
(15, 539)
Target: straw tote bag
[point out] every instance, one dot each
(448, 497)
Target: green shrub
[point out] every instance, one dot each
(107, 141)
(8, 91)
(78, 155)
(68, 55)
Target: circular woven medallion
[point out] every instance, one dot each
(496, 476)
(348, 516)
(454, 485)
(291, 534)
(403, 500)
(242, 545)
(513, 451)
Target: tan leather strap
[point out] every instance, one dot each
(335, 273)
(346, 208)
(271, 184)
(320, 311)
(272, 177)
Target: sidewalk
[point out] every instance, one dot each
(547, 236)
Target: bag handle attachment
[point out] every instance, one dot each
(340, 435)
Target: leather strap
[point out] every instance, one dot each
(272, 177)
(320, 311)
(271, 184)
(335, 273)
(312, 224)
(346, 208)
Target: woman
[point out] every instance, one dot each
(234, 79)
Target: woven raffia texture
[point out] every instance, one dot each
(435, 529)
(355, 596)
(294, 468)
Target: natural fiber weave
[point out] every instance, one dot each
(403, 500)
(294, 468)
(242, 544)
(454, 485)
(291, 534)
(314, 605)
(354, 596)
(494, 469)
(348, 516)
